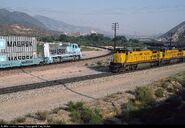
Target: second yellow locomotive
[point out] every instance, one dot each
(128, 60)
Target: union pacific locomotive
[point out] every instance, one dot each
(124, 59)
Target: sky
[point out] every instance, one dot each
(135, 17)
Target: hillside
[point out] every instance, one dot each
(18, 23)
(176, 34)
(65, 27)
(10, 18)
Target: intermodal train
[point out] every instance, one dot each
(18, 51)
(124, 59)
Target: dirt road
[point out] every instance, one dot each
(19, 104)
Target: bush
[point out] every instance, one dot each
(42, 115)
(129, 109)
(159, 92)
(74, 107)
(76, 117)
(81, 114)
(164, 84)
(144, 95)
(89, 116)
(99, 63)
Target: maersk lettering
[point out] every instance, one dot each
(19, 44)
(20, 58)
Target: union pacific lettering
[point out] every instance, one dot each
(20, 58)
(19, 44)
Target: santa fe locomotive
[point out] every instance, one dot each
(18, 51)
(124, 59)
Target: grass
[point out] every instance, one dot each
(83, 115)
(89, 49)
(165, 84)
(129, 108)
(55, 120)
(3, 122)
(144, 95)
(159, 92)
(18, 120)
(56, 110)
(42, 115)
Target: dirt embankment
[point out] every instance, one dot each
(19, 104)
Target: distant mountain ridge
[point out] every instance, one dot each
(10, 18)
(176, 34)
(65, 27)
(19, 23)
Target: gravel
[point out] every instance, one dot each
(22, 103)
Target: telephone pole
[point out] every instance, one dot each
(115, 27)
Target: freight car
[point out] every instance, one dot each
(17, 51)
(124, 59)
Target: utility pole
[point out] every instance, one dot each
(115, 27)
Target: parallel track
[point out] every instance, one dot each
(49, 66)
(14, 89)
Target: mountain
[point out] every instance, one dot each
(65, 27)
(176, 34)
(19, 23)
(9, 18)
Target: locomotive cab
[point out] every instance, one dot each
(118, 61)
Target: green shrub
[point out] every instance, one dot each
(129, 108)
(74, 107)
(159, 92)
(81, 114)
(76, 116)
(89, 116)
(164, 84)
(42, 115)
(99, 63)
(144, 95)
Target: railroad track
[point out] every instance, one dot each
(14, 89)
(50, 66)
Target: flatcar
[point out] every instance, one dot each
(124, 59)
(18, 51)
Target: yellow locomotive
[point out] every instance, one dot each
(128, 60)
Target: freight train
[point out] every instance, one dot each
(18, 51)
(124, 59)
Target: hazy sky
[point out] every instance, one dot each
(134, 16)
